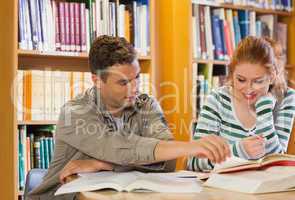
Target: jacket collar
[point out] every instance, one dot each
(95, 100)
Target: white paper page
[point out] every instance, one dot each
(232, 162)
(162, 183)
(82, 184)
(179, 174)
(94, 181)
(253, 181)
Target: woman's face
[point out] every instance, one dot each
(250, 81)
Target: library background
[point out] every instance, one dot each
(183, 46)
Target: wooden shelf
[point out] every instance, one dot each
(289, 67)
(244, 7)
(215, 62)
(223, 62)
(64, 61)
(52, 61)
(39, 122)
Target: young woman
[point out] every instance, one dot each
(255, 110)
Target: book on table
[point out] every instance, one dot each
(133, 181)
(238, 164)
(272, 173)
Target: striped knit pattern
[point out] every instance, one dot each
(218, 117)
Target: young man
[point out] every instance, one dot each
(113, 127)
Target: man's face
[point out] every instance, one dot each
(120, 88)
(250, 81)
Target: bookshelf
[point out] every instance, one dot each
(283, 17)
(71, 61)
(175, 24)
(286, 17)
(171, 52)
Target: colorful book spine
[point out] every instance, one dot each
(37, 153)
(78, 24)
(55, 12)
(67, 26)
(72, 26)
(61, 15)
(217, 39)
(83, 32)
(244, 23)
(33, 23)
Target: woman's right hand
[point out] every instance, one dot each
(254, 146)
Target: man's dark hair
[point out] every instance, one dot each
(107, 51)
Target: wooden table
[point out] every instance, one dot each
(206, 194)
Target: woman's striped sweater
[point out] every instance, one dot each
(218, 117)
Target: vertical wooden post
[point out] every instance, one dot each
(8, 66)
(174, 64)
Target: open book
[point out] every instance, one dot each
(238, 164)
(132, 181)
(274, 179)
(273, 173)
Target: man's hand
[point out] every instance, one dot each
(213, 147)
(78, 166)
(254, 146)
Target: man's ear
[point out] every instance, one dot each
(96, 80)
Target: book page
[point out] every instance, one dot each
(101, 180)
(277, 157)
(232, 161)
(130, 181)
(180, 174)
(261, 181)
(162, 183)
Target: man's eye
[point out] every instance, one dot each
(123, 83)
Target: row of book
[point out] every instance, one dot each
(35, 149)
(284, 5)
(71, 26)
(206, 77)
(217, 31)
(41, 94)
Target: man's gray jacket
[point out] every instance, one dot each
(85, 130)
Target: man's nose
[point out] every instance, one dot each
(134, 86)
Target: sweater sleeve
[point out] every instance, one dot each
(208, 123)
(284, 119)
(276, 124)
(84, 132)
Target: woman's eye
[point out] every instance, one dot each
(259, 81)
(241, 80)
